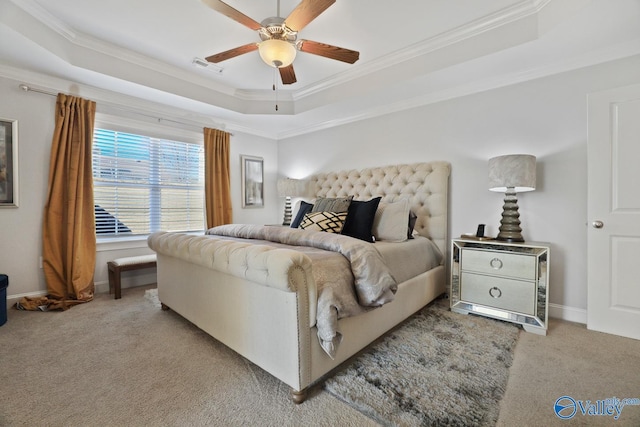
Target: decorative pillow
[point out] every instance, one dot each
(304, 208)
(390, 222)
(360, 218)
(338, 204)
(412, 224)
(331, 222)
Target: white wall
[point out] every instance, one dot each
(21, 228)
(545, 117)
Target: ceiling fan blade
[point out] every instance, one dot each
(306, 12)
(328, 51)
(287, 75)
(232, 13)
(232, 53)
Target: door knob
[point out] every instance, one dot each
(597, 224)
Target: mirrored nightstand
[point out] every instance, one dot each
(506, 281)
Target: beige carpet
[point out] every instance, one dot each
(127, 363)
(573, 361)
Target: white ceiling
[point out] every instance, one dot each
(412, 52)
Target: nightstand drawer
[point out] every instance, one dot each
(499, 263)
(506, 294)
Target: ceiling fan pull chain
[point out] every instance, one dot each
(275, 85)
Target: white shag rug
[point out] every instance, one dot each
(438, 369)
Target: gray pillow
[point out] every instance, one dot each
(337, 204)
(390, 222)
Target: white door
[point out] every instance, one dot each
(614, 212)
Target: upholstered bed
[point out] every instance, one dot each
(273, 294)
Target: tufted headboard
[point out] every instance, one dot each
(426, 185)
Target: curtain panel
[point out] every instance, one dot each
(217, 177)
(69, 240)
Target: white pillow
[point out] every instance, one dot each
(391, 221)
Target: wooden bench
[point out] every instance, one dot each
(117, 266)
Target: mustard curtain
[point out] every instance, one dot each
(69, 239)
(217, 177)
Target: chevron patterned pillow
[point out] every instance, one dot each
(331, 222)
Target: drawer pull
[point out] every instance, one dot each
(496, 263)
(495, 292)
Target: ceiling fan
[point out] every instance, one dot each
(279, 37)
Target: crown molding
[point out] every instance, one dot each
(75, 39)
(35, 10)
(114, 103)
(165, 113)
(264, 95)
(487, 23)
(621, 51)
(521, 10)
(82, 40)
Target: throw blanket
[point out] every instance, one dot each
(338, 297)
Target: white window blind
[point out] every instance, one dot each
(144, 184)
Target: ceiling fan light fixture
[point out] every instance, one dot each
(277, 53)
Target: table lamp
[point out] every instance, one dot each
(287, 188)
(511, 174)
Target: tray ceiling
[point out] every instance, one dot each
(411, 53)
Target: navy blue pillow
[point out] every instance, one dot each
(304, 208)
(412, 224)
(360, 218)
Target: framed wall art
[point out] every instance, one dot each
(8, 163)
(252, 181)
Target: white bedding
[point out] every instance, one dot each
(410, 258)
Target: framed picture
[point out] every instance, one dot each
(252, 181)
(8, 163)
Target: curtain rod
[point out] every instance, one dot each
(27, 88)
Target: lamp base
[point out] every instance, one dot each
(287, 211)
(510, 230)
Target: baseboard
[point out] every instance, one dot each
(571, 314)
(13, 299)
(557, 311)
(100, 287)
(131, 279)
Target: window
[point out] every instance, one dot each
(144, 184)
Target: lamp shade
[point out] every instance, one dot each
(277, 53)
(517, 171)
(289, 187)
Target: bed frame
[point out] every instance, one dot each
(261, 301)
